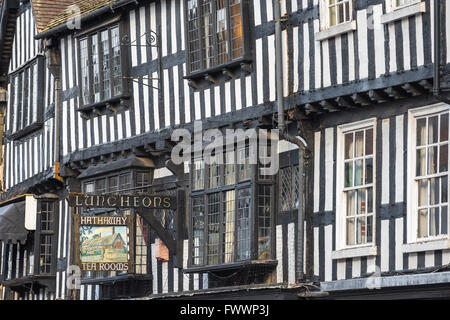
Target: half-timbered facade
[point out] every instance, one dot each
(96, 90)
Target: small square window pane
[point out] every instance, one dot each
(348, 146)
(444, 128)
(420, 162)
(369, 142)
(433, 129)
(423, 193)
(359, 172)
(348, 174)
(443, 158)
(432, 160)
(422, 223)
(333, 16)
(359, 144)
(351, 203)
(444, 220)
(434, 221)
(369, 170)
(350, 231)
(421, 134)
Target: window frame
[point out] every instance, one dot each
(14, 131)
(412, 184)
(341, 206)
(253, 183)
(231, 63)
(394, 5)
(325, 17)
(87, 35)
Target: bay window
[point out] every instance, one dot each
(214, 32)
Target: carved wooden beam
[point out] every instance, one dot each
(378, 96)
(414, 89)
(396, 92)
(329, 105)
(362, 99)
(345, 102)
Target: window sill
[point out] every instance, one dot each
(225, 69)
(335, 30)
(24, 132)
(354, 252)
(103, 107)
(440, 244)
(232, 266)
(403, 12)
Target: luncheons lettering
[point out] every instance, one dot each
(121, 201)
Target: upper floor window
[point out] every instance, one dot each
(355, 179)
(25, 96)
(339, 11)
(214, 32)
(101, 75)
(403, 3)
(429, 173)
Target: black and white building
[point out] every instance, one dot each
(95, 90)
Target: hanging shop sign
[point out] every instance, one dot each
(104, 243)
(147, 201)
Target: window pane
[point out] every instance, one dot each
(349, 146)
(420, 162)
(444, 189)
(95, 68)
(35, 93)
(264, 222)
(434, 221)
(106, 87)
(361, 230)
(245, 172)
(221, 32)
(113, 184)
(444, 128)
(423, 193)
(84, 62)
(228, 227)
(443, 158)
(207, 33)
(369, 171)
(198, 175)
(333, 16)
(369, 229)
(243, 224)
(213, 228)
(421, 134)
(369, 142)
(230, 167)
(422, 223)
(369, 200)
(214, 172)
(116, 61)
(361, 201)
(432, 160)
(359, 172)
(434, 191)
(236, 29)
(359, 144)
(433, 129)
(444, 220)
(193, 35)
(89, 187)
(198, 224)
(348, 174)
(351, 203)
(350, 231)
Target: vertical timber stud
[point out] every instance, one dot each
(74, 256)
(180, 227)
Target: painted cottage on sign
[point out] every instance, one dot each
(91, 93)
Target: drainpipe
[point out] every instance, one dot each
(437, 53)
(300, 142)
(54, 65)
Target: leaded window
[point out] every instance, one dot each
(214, 32)
(289, 188)
(46, 236)
(431, 174)
(101, 66)
(25, 96)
